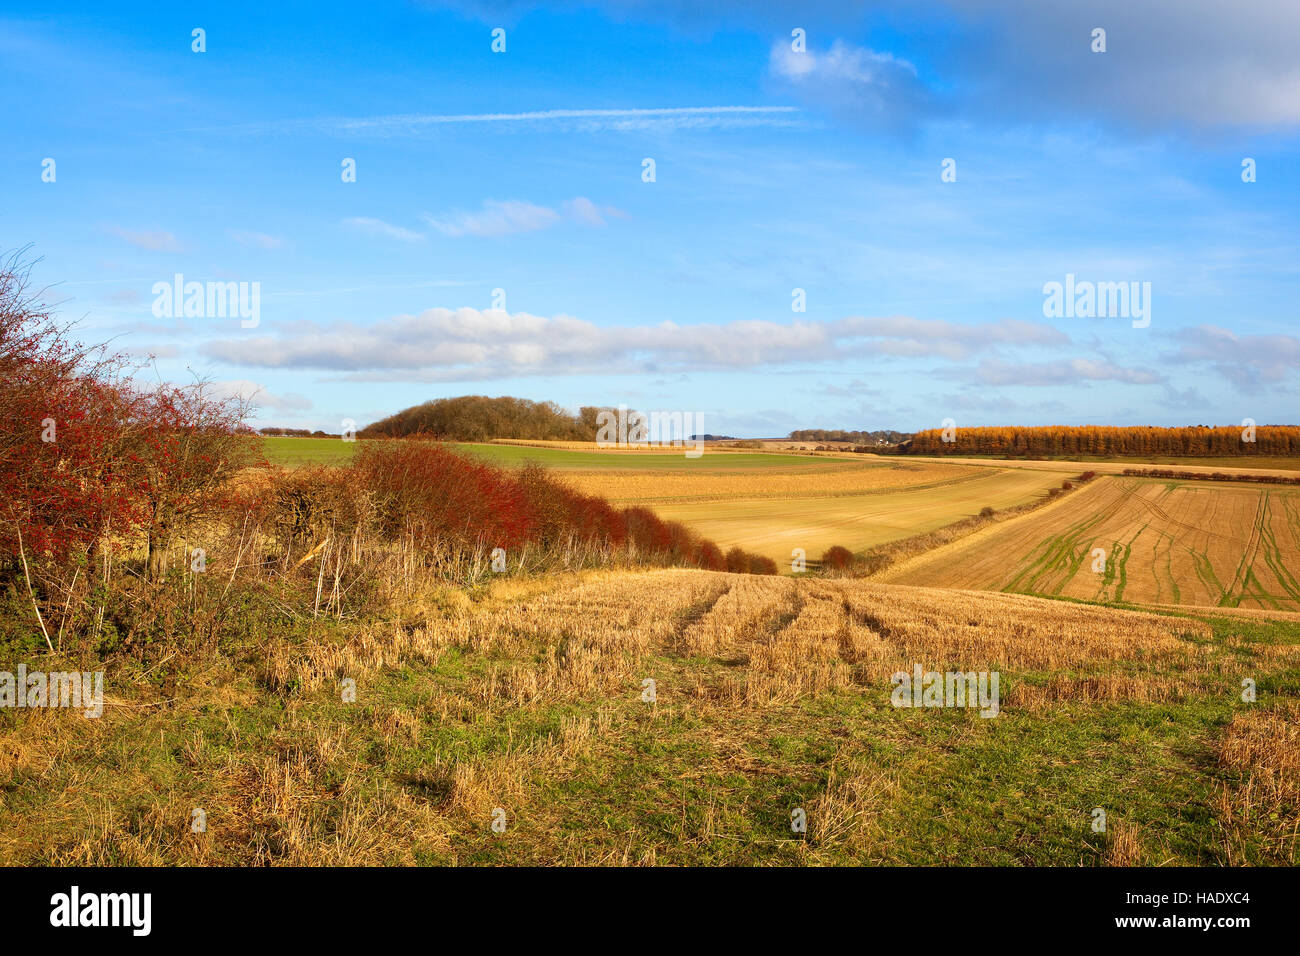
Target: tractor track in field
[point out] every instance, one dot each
(692, 614)
(1273, 554)
(1237, 588)
(1164, 515)
(1167, 545)
(1059, 550)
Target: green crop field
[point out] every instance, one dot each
(296, 452)
(573, 459)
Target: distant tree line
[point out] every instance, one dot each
(1196, 441)
(276, 431)
(888, 435)
(480, 418)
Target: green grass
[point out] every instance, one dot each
(296, 452)
(572, 459)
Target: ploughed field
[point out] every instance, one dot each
(682, 716)
(1162, 542)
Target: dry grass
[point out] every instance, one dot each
(1124, 845)
(1261, 750)
(507, 696)
(847, 810)
(784, 640)
(1279, 466)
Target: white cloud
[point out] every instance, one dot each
(840, 63)
(854, 82)
(1167, 64)
(1244, 360)
(1198, 62)
(260, 396)
(903, 335)
(156, 240)
(258, 240)
(583, 210)
(506, 217)
(377, 227)
(466, 344)
(496, 218)
(1064, 372)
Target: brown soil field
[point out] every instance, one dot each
(1164, 542)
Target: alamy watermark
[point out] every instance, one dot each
(73, 689)
(75, 908)
(947, 689)
(208, 300)
(1094, 300)
(631, 429)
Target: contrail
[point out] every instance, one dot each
(594, 118)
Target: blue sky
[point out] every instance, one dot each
(775, 169)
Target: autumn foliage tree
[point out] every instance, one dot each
(62, 413)
(85, 455)
(446, 503)
(1110, 441)
(184, 445)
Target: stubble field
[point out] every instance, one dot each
(530, 702)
